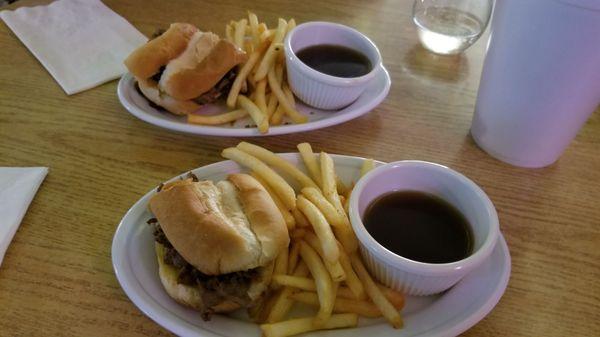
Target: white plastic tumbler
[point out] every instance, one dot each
(540, 80)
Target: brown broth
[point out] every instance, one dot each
(334, 60)
(419, 226)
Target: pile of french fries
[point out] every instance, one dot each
(260, 88)
(322, 267)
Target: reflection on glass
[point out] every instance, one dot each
(450, 26)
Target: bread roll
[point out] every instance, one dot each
(146, 61)
(230, 226)
(205, 61)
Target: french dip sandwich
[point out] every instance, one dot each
(184, 68)
(216, 242)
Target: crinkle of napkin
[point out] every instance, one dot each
(18, 186)
(82, 43)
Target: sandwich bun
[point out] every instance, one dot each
(205, 61)
(230, 226)
(147, 60)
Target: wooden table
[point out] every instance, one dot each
(57, 278)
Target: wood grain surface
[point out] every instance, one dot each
(57, 278)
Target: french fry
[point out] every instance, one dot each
(347, 238)
(229, 33)
(260, 309)
(289, 219)
(291, 25)
(322, 281)
(274, 160)
(279, 73)
(283, 303)
(310, 161)
(328, 179)
(288, 93)
(300, 325)
(280, 186)
(352, 280)
(396, 298)
(298, 233)
(340, 186)
(264, 307)
(253, 20)
(321, 227)
(265, 49)
(271, 105)
(347, 200)
(261, 100)
(341, 305)
(239, 33)
(257, 115)
(226, 117)
(281, 263)
(367, 166)
(343, 233)
(241, 78)
(277, 117)
(294, 115)
(304, 283)
(301, 220)
(255, 309)
(248, 47)
(283, 100)
(262, 27)
(345, 292)
(387, 309)
(331, 214)
(280, 59)
(267, 35)
(269, 57)
(294, 255)
(334, 268)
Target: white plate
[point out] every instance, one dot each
(138, 106)
(448, 314)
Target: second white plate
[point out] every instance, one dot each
(139, 106)
(447, 314)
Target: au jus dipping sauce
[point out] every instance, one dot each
(419, 226)
(334, 60)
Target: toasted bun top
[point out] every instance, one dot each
(196, 70)
(146, 61)
(220, 228)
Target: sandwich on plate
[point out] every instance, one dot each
(184, 68)
(216, 242)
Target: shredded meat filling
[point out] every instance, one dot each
(215, 288)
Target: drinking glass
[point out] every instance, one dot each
(450, 26)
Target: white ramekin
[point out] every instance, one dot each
(408, 276)
(318, 89)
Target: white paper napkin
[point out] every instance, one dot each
(82, 43)
(18, 185)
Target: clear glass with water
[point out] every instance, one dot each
(450, 26)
